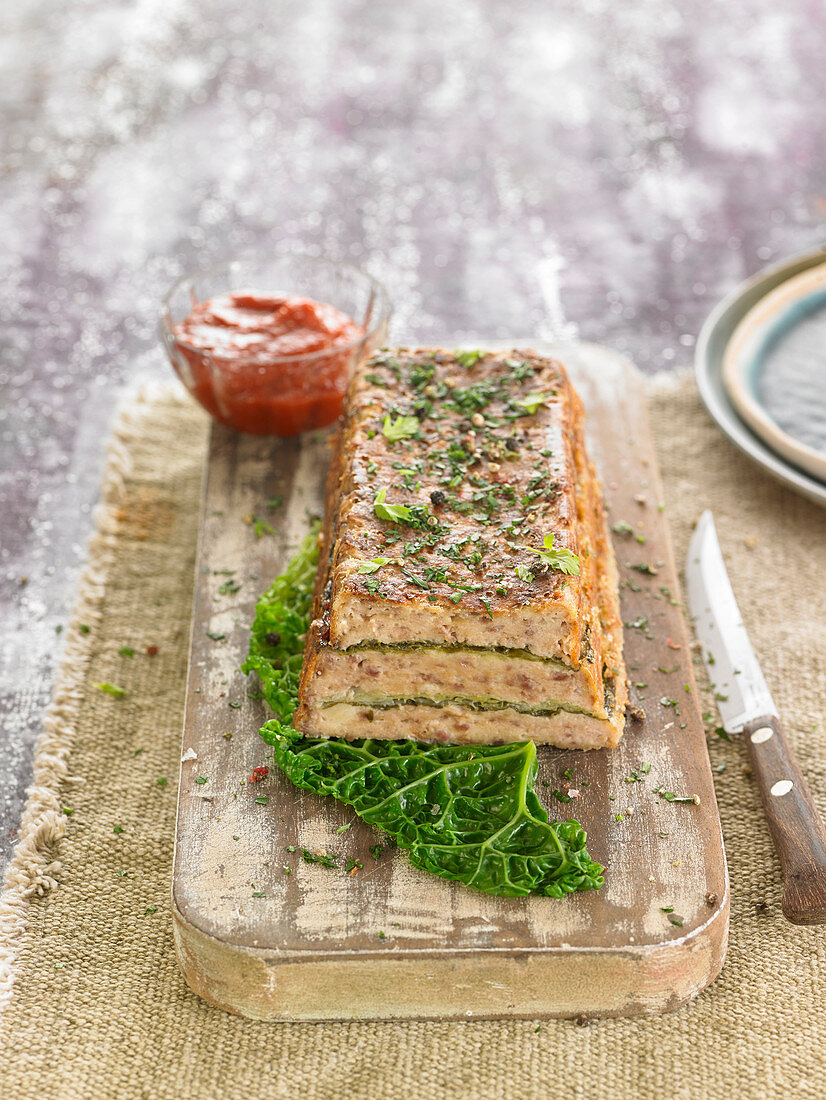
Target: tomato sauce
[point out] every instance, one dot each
(267, 365)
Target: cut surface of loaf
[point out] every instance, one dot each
(467, 589)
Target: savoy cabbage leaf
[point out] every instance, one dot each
(465, 812)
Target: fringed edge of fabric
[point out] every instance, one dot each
(35, 868)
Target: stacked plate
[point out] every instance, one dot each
(761, 371)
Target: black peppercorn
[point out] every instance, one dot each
(511, 444)
(437, 497)
(272, 637)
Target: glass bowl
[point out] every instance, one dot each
(282, 394)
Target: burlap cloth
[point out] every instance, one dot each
(96, 1004)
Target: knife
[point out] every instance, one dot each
(746, 706)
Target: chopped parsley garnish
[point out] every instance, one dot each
(260, 527)
(645, 567)
(669, 796)
(201, 779)
(126, 651)
(520, 370)
(468, 358)
(563, 560)
(403, 427)
(111, 689)
(622, 528)
(524, 574)
(640, 623)
(414, 579)
(532, 402)
(322, 858)
(392, 513)
(373, 565)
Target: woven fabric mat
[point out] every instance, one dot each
(96, 1006)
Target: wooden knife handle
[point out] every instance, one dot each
(796, 828)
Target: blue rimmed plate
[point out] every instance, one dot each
(783, 358)
(774, 370)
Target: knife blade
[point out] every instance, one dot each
(746, 706)
(733, 671)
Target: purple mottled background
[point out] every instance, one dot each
(531, 168)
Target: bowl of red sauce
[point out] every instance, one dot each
(267, 346)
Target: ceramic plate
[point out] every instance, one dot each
(777, 347)
(715, 338)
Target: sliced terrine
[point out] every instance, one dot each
(467, 588)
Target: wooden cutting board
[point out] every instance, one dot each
(318, 943)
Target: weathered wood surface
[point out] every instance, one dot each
(392, 941)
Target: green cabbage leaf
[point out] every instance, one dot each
(465, 812)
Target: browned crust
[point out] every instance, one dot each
(583, 612)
